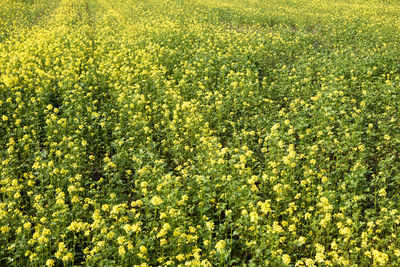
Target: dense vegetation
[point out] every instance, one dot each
(199, 133)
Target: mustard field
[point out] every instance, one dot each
(199, 133)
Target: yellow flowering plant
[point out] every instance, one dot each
(199, 133)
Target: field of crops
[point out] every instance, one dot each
(199, 133)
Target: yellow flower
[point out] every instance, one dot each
(156, 200)
(50, 262)
(67, 257)
(180, 257)
(380, 258)
(320, 257)
(265, 206)
(143, 249)
(253, 217)
(286, 259)
(121, 251)
(61, 246)
(210, 225)
(309, 262)
(382, 192)
(301, 240)
(220, 245)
